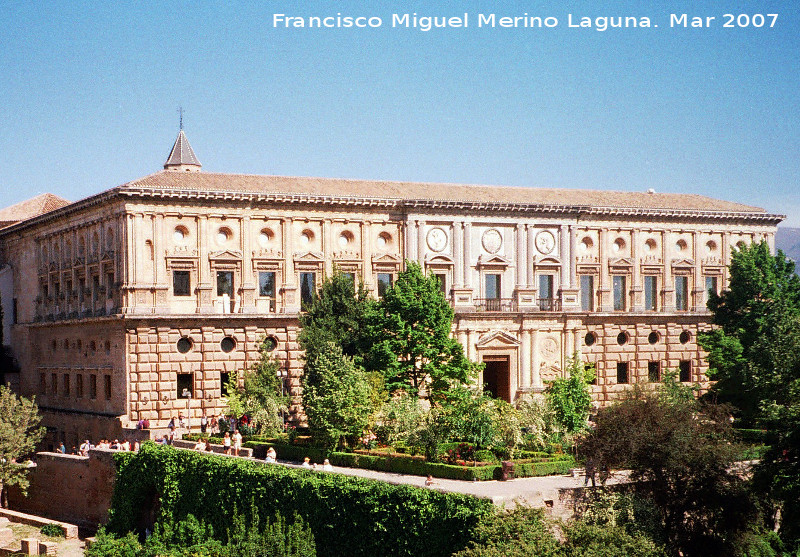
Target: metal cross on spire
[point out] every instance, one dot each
(180, 116)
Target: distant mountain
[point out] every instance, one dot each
(788, 240)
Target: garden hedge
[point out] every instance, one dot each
(348, 515)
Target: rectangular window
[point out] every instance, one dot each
(225, 283)
(384, 283)
(184, 385)
(95, 287)
(620, 293)
(42, 383)
(181, 283)
(54, 383)
(57, 290)
(223, 382)
(109, 285)
(308, 285)
(266, 284)
(546, 292)
(681, 293)
(442, 278)
(66, 385)
(622, 372)
(650, 292)
(685, 368)
(79, 386)
(493, 287)
(711, 286)
(587, 293)
(81, 288)
(14, 316)
(654, 372)
(107, 386)
(93, 386)
(351, 277)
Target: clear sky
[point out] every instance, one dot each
(89, 92)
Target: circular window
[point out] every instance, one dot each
(680, 245)
(685, 337)
(223, 235)
(586, 244)
(265, 237)
(650, 246)
(622, 338)
(184, 345)
(383, 240)
(180, 234)
(711, 246)
(306, 237)
(653, 337)
(618, 245)
(345, 238)
(227, 344)
(590, 339)
(270, 344)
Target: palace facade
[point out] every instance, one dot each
(140, 301)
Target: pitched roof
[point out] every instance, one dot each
(30, 208)
(206, 182)
(181, 153)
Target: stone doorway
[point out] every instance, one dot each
(497, 376)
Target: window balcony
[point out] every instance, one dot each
(496, 304)
(549, 304)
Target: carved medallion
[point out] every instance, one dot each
(545, 242)
(492, 240)
(549, 348)
(437, 239)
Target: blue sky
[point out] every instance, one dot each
(88, 97)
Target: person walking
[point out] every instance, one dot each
(237, 442)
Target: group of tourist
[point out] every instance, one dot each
(87, 445)
(308, 465)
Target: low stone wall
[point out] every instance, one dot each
(217, 449)
(69, 488)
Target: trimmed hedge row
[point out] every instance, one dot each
(401, 465)
(348, 515)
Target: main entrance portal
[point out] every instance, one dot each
(497, 376)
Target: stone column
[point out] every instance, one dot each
(525, 360)
(205, 284)
(410, 247)
(327, 247)
(573, 257)
(522, 260)
(467, 255)
(366, 253)
(669, 286)
(536, 376)
(247, 301)
(421, 244)
(291, 301)
(638, 298)
(699, 286)
(605, 287)
(530, 278)
(470, 347)
(564, 254)
(458, 254)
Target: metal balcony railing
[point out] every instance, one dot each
(496, 304)
(549, 304)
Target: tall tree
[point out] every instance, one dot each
(411, 336)
(754, 356)
(752, 352)
(19, 434)
(336, 396)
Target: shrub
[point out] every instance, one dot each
(52, 530)
(347, 515)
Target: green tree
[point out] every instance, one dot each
(752, 354)
(260, 395)
(411, 336)
(19, 434)
(336, 396)
(570, 398)
(337, 314)
(679, 452)
(754, 357)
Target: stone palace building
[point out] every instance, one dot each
(140, 301)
